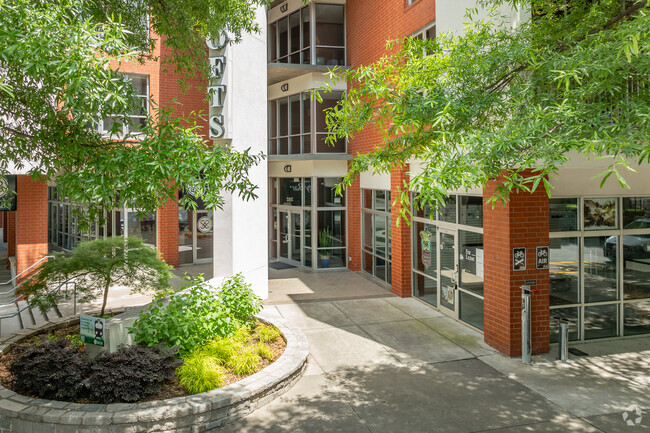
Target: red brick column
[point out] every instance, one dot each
(400, 239)
(522, 222)
(31, 222)
(10, 233)
(353, 198)
(167, 223)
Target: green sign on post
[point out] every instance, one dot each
(92, 329)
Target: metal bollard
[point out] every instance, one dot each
(526, 345)
(563, 342)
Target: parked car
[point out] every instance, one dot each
(634, 246)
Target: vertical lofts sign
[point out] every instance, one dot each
(218, 89)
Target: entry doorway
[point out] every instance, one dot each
(448, 271)
(195, 236)
(290, 237)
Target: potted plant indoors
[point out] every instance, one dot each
(325, 241)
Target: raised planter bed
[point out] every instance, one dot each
(194, 413)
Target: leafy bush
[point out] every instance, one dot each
(201, 373)
(267, 334)
(130, 374)
(197, 315)
(52, 370)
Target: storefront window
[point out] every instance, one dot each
(376, 233)
(636, 212)
(600, 269)
(448, 212)
(637, 318)
(327, 196)
(564, 271)
(601, 321)
(563, 214)
(571, 315)
(331, 229)
(291, 191)
(600, 214)
(471, 211)
(471, 262)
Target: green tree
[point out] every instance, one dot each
(97, 265)
(498, 100)
(56, 82)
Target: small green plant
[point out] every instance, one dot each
(325, 238)
(242, 335)
(198, 315)
(264, 351)
(266, 334)
(244, 362)
(74, 340)
(200, 373)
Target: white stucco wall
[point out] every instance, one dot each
(451, 15)
(240, 230)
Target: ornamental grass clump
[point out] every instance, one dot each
(266, 334)
(244, 362)
(201, 373)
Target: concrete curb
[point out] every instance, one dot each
(194, 413)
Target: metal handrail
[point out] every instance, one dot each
(29, 305)
(25, 270)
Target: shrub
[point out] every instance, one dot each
(50, 370)
(267, 334)
(130, 374)
(264, 351)
(200, 373)
(244, 362)
(221, 349)
(197, 315)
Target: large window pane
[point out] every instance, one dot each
(335, 222)
(601, 321)
(471, 310)
(600, 269)
(600, 214)
(637, 318)
(291, 191)
(636, 266)
(425, 288)
(185, 247)
(283, 117)
(636, 212)
(306, 113)
(380, 234)
(283, 38)
(330, 29)
(327, 196)
(564, 271)
(471, 211)
(294, 32)
(448, 212)
(368, 231)
(143, 228)
(570, 314)
(563, 214)
(294, 106)
(471, 262)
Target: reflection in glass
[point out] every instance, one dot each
(570, 314)
(185, 244)
(291, 191)
(636, 212)
(600, 213)
(448, 213)
(637, 318)
(143, 228)
(563, 214)
(307, 259)
(471, 211)
(564, 271)
(204, 235)
(601, 321)
(471, 262)
(425, 288)
(470, 309)
(327, 196)
(600, 269)
(424, 249)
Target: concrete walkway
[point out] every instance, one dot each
(384, 364)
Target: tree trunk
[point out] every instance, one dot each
(108, 284)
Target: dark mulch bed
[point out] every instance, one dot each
(170, 389)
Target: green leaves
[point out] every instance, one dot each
(198, 314)
(498, 102)
(59, 62)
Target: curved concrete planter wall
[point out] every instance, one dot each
(195, 413)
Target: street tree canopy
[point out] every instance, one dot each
(58, 78)
(497, 100)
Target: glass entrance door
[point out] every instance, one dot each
(448, 271)
(195, 236)
(290, 237)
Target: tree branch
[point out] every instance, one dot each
(16, 132)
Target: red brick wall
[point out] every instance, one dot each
(168, 232)
(368, 29)
(31, 222)
(522, 222)
(400, 239)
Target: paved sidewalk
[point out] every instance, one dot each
(386, 364)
